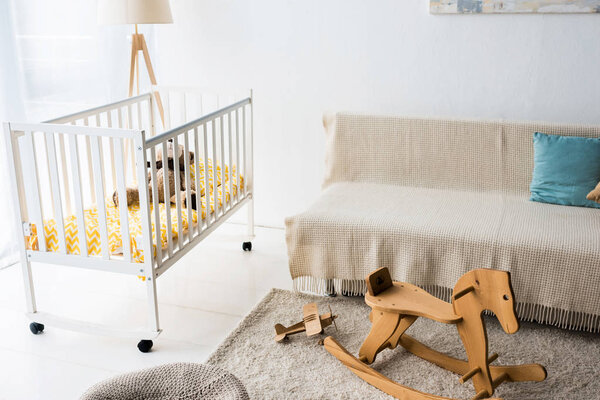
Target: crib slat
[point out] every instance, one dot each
(250, 178)
(99, 167)
(129, 117)
(230, 161)
(77, 193)
(167, 201)
(215, 193)
(151, 121)
(123, 211)
(244, 149)
(146, 221)
(185, 120)
(188, 184)
(65, 172)
(177, 192)
(197, 181)
(111, 151)
(125, 142)
(119, 118)
(131, 152)
(55, 191)
(88, 149)
(139, 115)
(237, 155)
(157, 224)
(206, 182)
(168, 110)
(125, 154)
(223, 183)
(37, 214)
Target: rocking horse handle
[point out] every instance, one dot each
(379, 281)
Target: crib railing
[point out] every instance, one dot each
(49, 178)
(223, 138)
(183, 104)
(132, 113)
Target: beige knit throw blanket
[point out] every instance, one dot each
(432, 199)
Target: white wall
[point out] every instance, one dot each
(384, 56)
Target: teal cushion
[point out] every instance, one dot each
(566, 169)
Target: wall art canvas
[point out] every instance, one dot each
(513, 6)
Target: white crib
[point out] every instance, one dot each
(60, 167)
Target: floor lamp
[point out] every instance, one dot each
(114, 12)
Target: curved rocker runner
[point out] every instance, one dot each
(397, 305)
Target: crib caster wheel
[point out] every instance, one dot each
(36, 328)
(247, 246)
(145, 345)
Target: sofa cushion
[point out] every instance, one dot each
(565, 169)
(431, 237)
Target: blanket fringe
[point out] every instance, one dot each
(564, 319)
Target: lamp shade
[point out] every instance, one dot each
(114, 12)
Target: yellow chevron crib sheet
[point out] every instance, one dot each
(92, 221)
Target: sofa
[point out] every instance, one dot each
(434, 198)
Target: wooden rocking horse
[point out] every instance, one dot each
(397, 305)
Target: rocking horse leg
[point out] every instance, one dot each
(405, 322)
(473, 334)
(384, 325)
(516, 373)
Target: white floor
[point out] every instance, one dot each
(202, 298)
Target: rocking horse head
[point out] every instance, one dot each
(487, 289)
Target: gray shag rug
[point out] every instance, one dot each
(300, 368)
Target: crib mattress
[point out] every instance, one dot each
(113, 221)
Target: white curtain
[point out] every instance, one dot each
(55, 60)
(11, 108)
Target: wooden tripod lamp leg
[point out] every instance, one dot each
(134, 53)
(138, 43)
(152, 77)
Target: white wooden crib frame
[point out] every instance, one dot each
(213, 135)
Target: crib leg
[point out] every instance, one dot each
(145, 345)
(152, 305)
(28, 284)
(247, 246)
(250, 231)
(35, 327)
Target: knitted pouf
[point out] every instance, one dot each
(170, 381)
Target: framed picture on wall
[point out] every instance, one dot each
(514, 6)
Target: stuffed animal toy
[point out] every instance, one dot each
(594, 195)
(165, 173)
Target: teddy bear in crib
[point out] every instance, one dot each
(165, 173)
